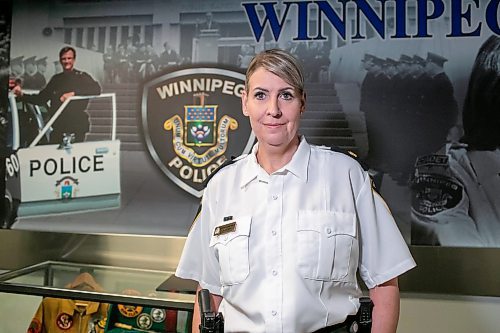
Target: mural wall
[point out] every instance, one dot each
(385, 79)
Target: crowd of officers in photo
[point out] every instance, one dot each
(409, 107)
(134, 62)
(127, 64)
(315, 58)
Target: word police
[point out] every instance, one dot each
(196, 175)
(64, 166)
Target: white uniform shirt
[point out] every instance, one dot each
(301, 234)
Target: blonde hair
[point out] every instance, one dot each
(281, 64)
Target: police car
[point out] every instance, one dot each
(44, 179)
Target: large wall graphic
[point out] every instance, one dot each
(385, 79)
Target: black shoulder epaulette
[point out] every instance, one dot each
(351, 155)
(198, 212)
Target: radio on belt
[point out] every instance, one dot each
(365, 315)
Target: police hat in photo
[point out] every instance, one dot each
(42, 61)
(418, 60)
(436, 58)
(16, 61)
(30, 60)
(405, 59)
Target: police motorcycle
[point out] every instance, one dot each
(44, 179)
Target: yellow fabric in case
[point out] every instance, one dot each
(69, 316)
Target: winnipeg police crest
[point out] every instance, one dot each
(192, 123)
(66, 188)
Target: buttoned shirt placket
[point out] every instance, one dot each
(274, 257)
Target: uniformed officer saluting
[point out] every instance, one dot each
(62, 86)
(283, 231)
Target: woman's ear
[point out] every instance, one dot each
(244, 103)
(303, 106)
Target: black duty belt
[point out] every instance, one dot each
(349, 325)
(361, 322)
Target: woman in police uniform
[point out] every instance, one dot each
(283, 230)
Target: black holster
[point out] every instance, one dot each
(211, 322)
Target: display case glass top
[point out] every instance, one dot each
(100, 283)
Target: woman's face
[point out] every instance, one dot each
(274, 109)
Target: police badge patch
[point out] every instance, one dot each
(433, 193)
(192, 123)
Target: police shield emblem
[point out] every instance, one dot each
(66, 188)
(192, 123)
(200, 123)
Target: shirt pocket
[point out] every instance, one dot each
(326, 245)
(232, 251)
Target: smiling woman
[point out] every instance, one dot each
(283, 231)
(274, 99)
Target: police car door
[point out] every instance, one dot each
(69, 177)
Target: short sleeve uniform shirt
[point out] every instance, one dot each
(283, 249)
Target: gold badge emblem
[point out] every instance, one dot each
(129, 311)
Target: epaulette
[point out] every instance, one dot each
(376, 177)
(351, 154)
(225, 164)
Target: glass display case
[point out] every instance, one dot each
(107, 280)
(99, 283)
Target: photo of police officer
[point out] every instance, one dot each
(456, 191)
(73, 121)
(17, 68)
(41, 69)
(409, 107)
(32, 79)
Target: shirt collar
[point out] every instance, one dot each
(70, 307)
(297, 166)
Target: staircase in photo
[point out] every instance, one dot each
(128, 120)
(323, 123)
